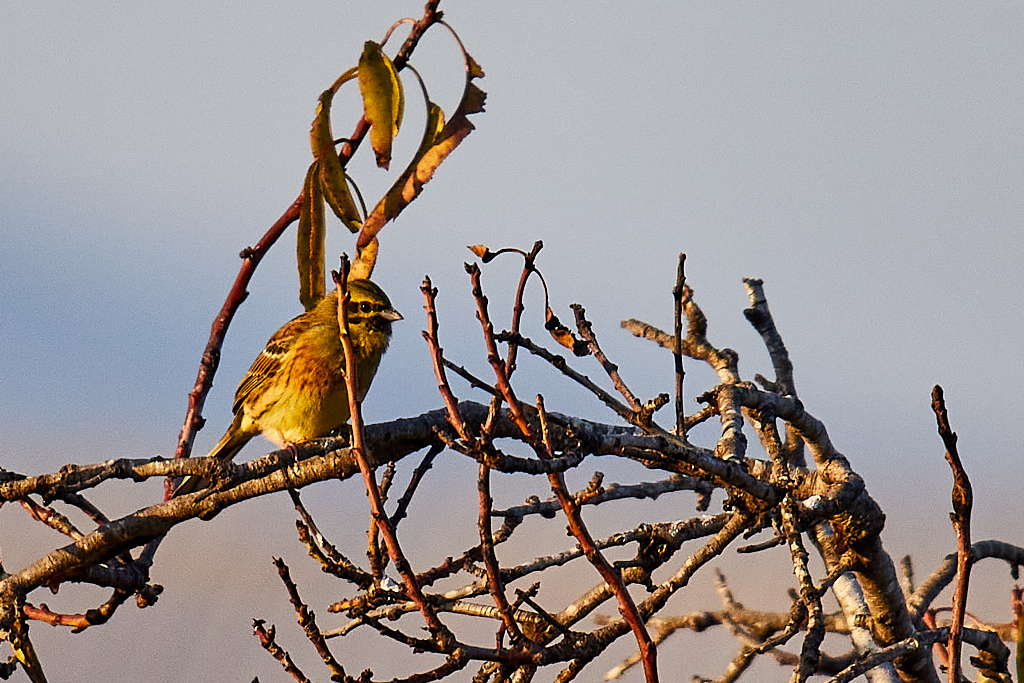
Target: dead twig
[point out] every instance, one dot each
(963, 500)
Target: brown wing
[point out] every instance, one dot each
(270, 360)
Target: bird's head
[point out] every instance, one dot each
(370, 313)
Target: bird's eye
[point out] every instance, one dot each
(365, 307)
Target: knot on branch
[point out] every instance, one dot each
(642, 418)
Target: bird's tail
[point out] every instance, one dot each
(226, 449)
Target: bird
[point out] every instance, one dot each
(295, 389)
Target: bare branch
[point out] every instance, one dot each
(963, 500)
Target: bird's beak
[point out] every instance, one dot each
(391, 315)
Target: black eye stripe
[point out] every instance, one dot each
(361, 311)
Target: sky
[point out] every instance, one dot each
(864, 160)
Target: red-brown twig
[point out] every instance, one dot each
(440, 632)
(251, 257)
(502, 384)
(494, 582)
(724, 535)
(307, 620)
(963, 500)
(455, 662)
(501, 379)
(941, 649)
(51, 518)
(648, 650)
(544, 450)
(378, 560)
(79, 622)
(267, 640)
(437, 354)
(518, 307)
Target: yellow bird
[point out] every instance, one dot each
(295, 389)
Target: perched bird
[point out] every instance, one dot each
(295, 389)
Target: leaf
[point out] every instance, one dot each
(472, 67)
(383, 100)
(561, 334)
(483, 253)
(310, 240)
(320, 136)
(366, 258)
(434, 149)
(336, 192)
(332, 173)
(459, 127)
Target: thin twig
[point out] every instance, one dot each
(761, 318)
(473, 380)
(983, 640)
(644, 490)
(440, 632)
(501, 379)
(323, 551)
(494, 582)
(517, 307)
(267, 638)
(560, 364)
(963, 499)
(437, 354)
(677, 354)
(417, 476)
(51, 518)
(648, 650)
(586, 331)
(79, 622)
(307, 620)
(1016, 601)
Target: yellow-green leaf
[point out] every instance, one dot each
(336, 191)
(383, 99)
(434, 149)
(332, 173)
(454, 132)
(366, 258)
(320, 136)
(409, 184)
(310, 241)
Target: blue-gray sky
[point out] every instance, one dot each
(866, 161)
